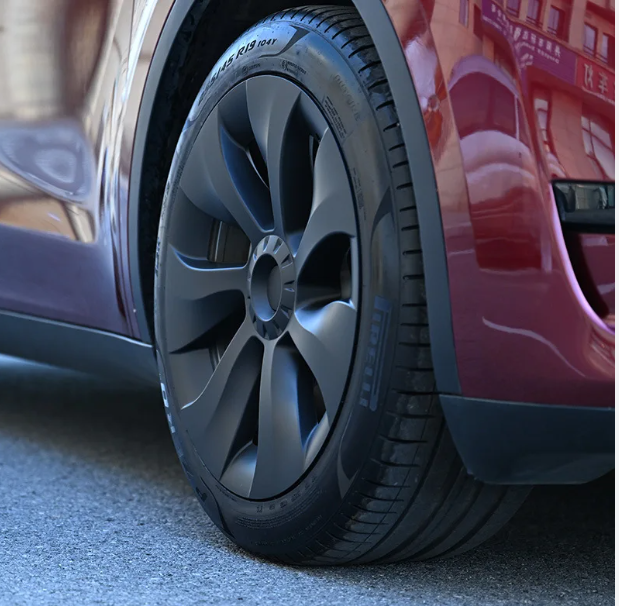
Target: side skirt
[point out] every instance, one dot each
(76, 347)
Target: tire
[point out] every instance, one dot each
(378, 478)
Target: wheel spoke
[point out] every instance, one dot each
(195, 278)
(220, 180)
(271, 104)
(200, 295)
(332, 205)
(214, 418)
(190, 321)
(280, 459)
(324, 339)
(239, 473)
(189, 227)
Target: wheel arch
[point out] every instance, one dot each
(180, 36)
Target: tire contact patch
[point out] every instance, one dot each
(381, 318)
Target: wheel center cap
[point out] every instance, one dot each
(272, 287)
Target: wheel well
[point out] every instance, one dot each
(208, 29)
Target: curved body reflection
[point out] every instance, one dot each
(529, 98)
(71, 76)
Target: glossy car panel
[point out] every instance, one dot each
(508, 107)
(73, 73)
(63, 68)
(593, 257)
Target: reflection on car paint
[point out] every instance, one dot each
(70, 97)
(517, 113)
(54, 157)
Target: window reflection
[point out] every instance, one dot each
(607, 53)
(464, 12)
(533, 11)
(599, 145)
(556, 22)
(492, 106)
(542, 105)
(513, 7)
(542, 111)
(590, 40)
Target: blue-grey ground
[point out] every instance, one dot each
(94, 509)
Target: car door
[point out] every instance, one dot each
(63, 74)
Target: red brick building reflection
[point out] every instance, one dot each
(563, 51)
(582, 34)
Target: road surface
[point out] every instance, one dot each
(94, 509)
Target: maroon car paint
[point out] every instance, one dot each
(524, 331)
(504, 117)
(593, 257)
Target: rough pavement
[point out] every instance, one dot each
(94, 509)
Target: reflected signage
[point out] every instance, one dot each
(530, 48)
(594, 79)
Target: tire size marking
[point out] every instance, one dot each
(381, 317)
(222, 68)
(246, 48)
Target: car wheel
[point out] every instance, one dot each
(291, 322)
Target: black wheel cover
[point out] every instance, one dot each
(261, 287)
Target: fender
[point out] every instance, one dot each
(390, 50)
(517, 305)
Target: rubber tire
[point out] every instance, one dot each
(389, 484)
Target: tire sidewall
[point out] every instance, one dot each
(311, 60)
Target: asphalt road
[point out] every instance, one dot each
(94, 509)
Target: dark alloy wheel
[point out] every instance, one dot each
(290, 312)
(277, 292)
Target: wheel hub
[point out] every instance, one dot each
(272, 287)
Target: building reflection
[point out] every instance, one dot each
(499, 164)
(529, 79)
(49, 53)
(563, 54)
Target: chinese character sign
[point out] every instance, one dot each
(531, 48)
(596, 80)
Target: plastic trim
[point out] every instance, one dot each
(518, 443)
(83, 349)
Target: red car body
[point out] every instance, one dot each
(515, 96)
(518, 306)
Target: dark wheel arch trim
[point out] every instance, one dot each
(518, 443)
(420, 160)
(178, 13)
